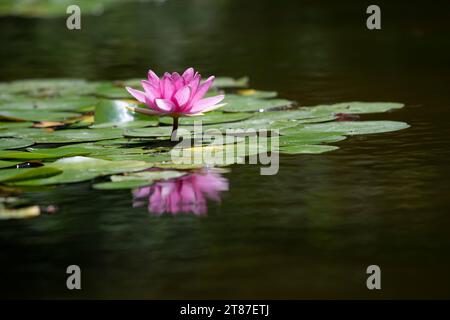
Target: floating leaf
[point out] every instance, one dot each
(302, 137)
(70, 135)
(14, 125)
(48, 87)
(128, 184)
(12, 175)
(87, 149)
(51, 104)
(77, 169)
(306, 149)
(139, 179)
(209, 118)
(148, 132)
(257, 93)
(114, 113)
(14, 143)
(357, 127)
(227, 82)
(7, 164)
(34, 155)
(354, 107)
(36, 115)
(236, 103)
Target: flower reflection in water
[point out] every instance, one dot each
(188, 193)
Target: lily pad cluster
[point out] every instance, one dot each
(57, 131)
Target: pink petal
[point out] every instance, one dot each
(165, 105)
(139, 95)
(150, 90)
(188, 74)
(167, 88)
(202, 89)
(204, 105)
(182, 96)
(178, 81)
(153, 78)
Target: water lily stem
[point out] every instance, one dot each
(173, 136)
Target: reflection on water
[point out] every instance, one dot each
(184, 194)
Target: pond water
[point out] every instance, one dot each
(308, 232)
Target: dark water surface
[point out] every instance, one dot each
(308, 232)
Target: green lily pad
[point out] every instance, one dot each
(139, 179)
(357, 127)
(354, 107)
(306, 149)
(148, 132)
(304, 137)
(209, 118)
(227, 82)
(114, 113)
(15, 125)
(87, 149)
(128, 184)
(13, 175)
(48, 87)
(236, 103)
(51, 104)
(77, 169)
(257, 93)
(14, 143)
(71, 135)
(35, 155)
(36, 115)
(7, 164)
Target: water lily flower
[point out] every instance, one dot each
(176, 95)
(187, 193)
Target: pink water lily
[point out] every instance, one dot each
(176, 95)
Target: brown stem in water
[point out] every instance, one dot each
(173, 136)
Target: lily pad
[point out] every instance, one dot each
(34, 155)
(71, 135)
(210, 118)
(11, 175)
(128, 184)
(355, 107)
(8, 164)
(304, 137)
(227, 82)
(14, 143)
(36, 115)
(42, 88)
(77, 169)
(236, 103)
(357, 127)
(114, 113)
(257, 93)
(51, 104)
(306, 149)
(148, 132)
(14, 125)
